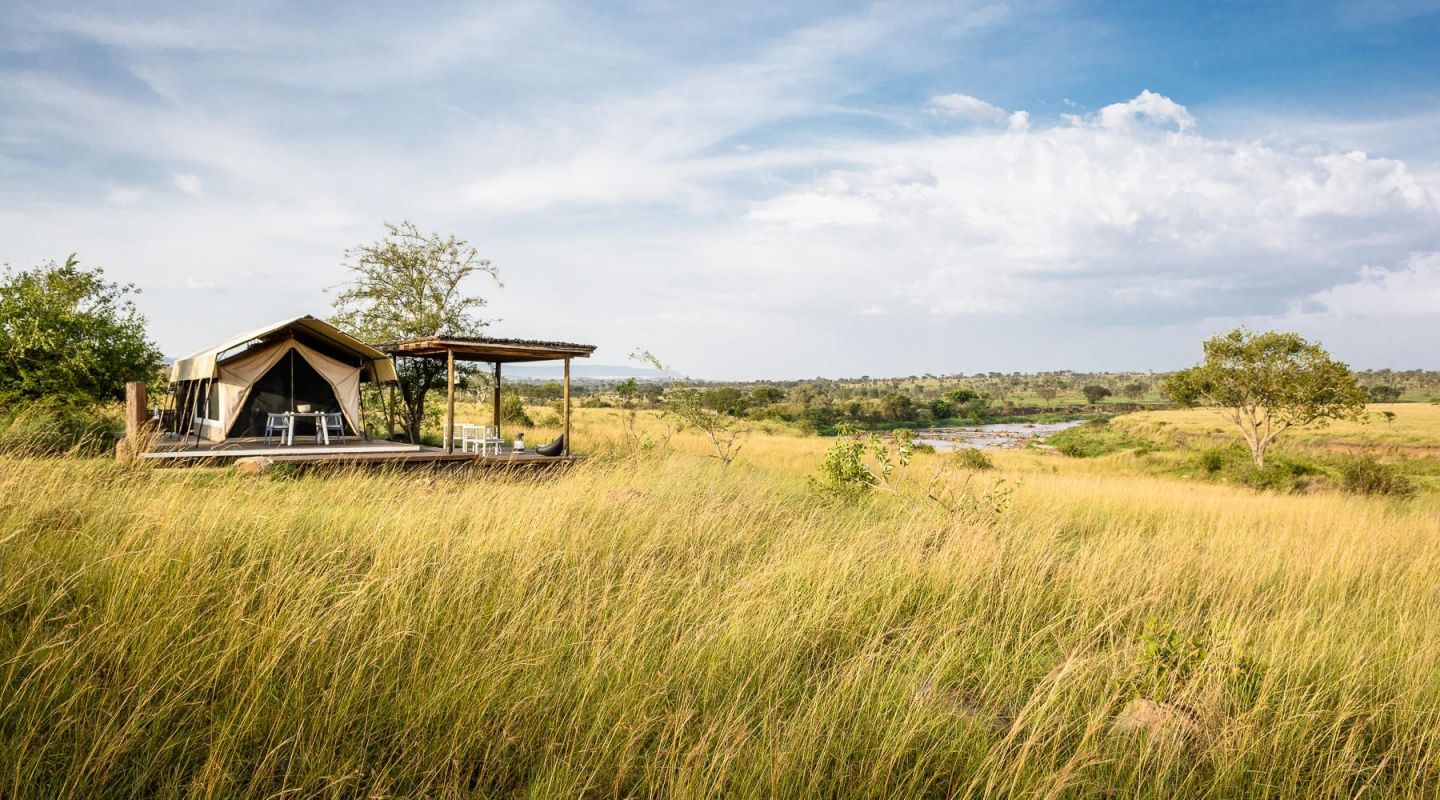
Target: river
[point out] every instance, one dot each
(1003, 434)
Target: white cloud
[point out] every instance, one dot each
(189, 184)
(707, 204)
(1412, 290)
(1106, 219)
(124, 195)
(1147, 106)
(967, 107)
(809, 209)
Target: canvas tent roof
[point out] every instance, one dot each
(202, 365)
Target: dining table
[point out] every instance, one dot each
(322, 436)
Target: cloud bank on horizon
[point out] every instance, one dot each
(874, 189)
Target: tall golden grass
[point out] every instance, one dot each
(659, 626)
(1413, 427)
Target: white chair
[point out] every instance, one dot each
(277, 424)
(332, 423)
(480, 439)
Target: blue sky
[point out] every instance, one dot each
(778, 190)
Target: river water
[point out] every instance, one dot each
(1004, 434)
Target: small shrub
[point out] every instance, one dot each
(843, 472)
(971, 458)
(1231, 458)
(512, 410)
(1169, 653)
(1280, 474)
(1365, 475)
(1212, 460)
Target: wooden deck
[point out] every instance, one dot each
(176, 452)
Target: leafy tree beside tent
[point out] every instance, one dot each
(69, 335)
(411, 285)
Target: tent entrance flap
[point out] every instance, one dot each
(290, 382)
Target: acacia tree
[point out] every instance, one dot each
(409, 285)
(1267, 383)
(68, 334)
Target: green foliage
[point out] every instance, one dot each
(726, 400)
(512, 410)
(766, 395)
(1364, 475)
(897, 407)
(961, 396)
(1172, 654)
(409, 285)
(844, 473)
(68, 335)
(723, 431)
(1215, 459)
(1169, 653)
(972, 458)
(1097, 438)
(1283, 473)
(1266, 383)
(1384, 394)
(405, 286)
(1094, 393)
(628, 390)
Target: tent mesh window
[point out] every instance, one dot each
(290, 383)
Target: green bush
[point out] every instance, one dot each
(1280, 474)
(1283, 472)
(843, 473)
(512, 410)
(1364, 475)
(1215, 459)
(970, 458)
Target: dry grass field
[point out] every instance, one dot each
(654, 625)
(1415, 428)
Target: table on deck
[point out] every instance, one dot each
(322, 434)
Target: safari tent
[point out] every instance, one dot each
(226, 391)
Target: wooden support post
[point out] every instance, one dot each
(449, 401)
(137, 422)
(496, 399)
(137, 414)
(566, 432)
(390, 414)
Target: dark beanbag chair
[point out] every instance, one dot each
(555, 448)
